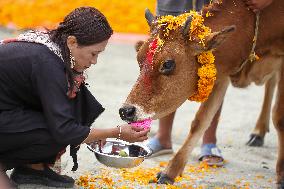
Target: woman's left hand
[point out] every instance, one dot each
(257, 5)
(133, 134)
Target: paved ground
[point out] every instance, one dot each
(111, 80)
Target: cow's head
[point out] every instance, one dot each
(168, 68)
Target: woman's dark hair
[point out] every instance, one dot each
(88, 25)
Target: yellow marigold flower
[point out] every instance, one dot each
(172, 22)
(163, 164)
(207, 71)
(207, 76)
(160, 42)
(197, 29)
(208, 14)
(206, 57)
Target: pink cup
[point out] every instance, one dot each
(146, 123)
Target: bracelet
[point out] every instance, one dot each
(119, 133)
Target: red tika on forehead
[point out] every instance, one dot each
(152, 49)
(149, 62)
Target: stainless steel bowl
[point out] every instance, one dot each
(109, 153)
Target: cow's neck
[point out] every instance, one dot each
(237, 47)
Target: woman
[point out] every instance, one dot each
(44, 103)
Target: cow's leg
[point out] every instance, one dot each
(278, 120)
(199, 125)
(262, 124)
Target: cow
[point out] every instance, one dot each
(260, 72)
(263, 75)
(169, 65)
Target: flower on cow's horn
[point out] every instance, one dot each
(197, 29)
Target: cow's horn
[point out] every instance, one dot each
(186, 26)
(149, 16)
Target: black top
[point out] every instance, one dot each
(33, 94)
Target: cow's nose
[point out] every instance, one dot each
(127, 113)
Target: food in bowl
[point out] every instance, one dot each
(120, 154)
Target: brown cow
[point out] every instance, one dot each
(259, 75)
(173, 75)
(265, 71)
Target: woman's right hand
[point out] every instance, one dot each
(133, 134)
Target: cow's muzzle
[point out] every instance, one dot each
(127, 113)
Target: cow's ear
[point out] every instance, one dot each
(213, 40)
(216, 38)
(138, 44)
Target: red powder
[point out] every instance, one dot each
(149, 62)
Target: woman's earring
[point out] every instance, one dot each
(72, 61)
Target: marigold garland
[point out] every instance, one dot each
(207, 76)
(171, 22)
(206, 57)
(198, 31)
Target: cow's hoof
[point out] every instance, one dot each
(164, 179)
(255, 140)
(280, 185)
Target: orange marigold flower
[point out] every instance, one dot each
(207, 76)
(163, 164)
(206, 57)
(207, 71)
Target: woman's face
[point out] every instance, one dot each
(85, 56)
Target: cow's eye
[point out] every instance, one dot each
(167, 67)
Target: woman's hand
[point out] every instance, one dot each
(128, 133)
(133, 134)
(257, 5)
